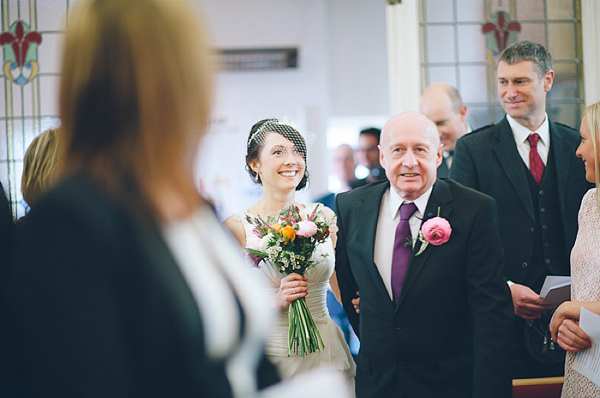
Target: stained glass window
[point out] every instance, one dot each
(461, 41)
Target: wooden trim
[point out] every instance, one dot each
(538, 382)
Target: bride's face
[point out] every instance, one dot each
(280, 164)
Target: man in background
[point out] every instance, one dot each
(528, 164)
(343, 166)
(441, 103)
(368, 153)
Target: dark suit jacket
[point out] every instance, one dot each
(450, 332)
(443, 171)
(96, 306)
(6, 229)
(488, 161)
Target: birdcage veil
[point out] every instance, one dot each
(301, 139)
(290, 130)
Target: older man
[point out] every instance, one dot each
(442, 104)
(528, 164)
(435, 314)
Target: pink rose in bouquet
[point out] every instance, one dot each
(253, 242)
(306, 229)
(436, 231)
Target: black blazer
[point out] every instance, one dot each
(450, 332)
(443, 171)
(95, 306)
(6, 229)
(488, 161)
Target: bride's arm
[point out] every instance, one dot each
(236, 227)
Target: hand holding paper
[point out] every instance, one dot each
(587, 362)
(556, 289)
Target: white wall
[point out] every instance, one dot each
(342, 72)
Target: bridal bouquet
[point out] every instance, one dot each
(288, 242)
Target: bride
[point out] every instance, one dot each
(276, 159)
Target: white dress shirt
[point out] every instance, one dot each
(521, 133)
(389, 217)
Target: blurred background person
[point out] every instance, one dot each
(441, 103)
(39, 166)
(124, 283)
(585, 265)
(343, 166)
(368, 154)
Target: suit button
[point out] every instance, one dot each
(543, 209)
(531, 230)
(546, 244)
(524, 264)
(541, 193)
(545, 227)
(547, 261)
(397, 327)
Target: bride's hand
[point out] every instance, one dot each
(292, 287)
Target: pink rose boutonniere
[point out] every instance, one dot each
(436, 231)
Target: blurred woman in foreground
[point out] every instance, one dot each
(124, 283)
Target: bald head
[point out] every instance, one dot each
(409, 121)
(410, 153)
(343, 163)
(442, 104)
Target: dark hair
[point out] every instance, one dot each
(375, 132)
(256, 143)
(528, 51)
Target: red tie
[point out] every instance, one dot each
(536, 165)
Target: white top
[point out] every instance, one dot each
(389, 217)
(219, 278)
(521, 133)
(585, 286)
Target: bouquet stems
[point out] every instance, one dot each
(303, 335)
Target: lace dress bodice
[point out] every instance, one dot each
(585, 285)
(336, 353)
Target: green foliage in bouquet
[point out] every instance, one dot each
(288, 243)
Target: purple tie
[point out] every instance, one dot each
(402, 252)
(536, 165)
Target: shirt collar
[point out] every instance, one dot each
(521, 132)
(395, 202)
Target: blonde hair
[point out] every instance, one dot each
(593, 120)
(134, 97)
(39, 165)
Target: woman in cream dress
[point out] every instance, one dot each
(585, 265)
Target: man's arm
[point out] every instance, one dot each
(463, 168)
(345, 278)
(491, 307)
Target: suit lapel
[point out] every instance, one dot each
(440, 198)
(368, 215)
(560, 147)
(511, 162)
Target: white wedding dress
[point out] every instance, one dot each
(336, 354)
(585, 286)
